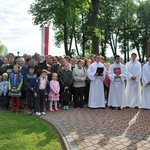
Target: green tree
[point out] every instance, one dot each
(143, 16)
(65, 16)
(113, 15)
(3, 49)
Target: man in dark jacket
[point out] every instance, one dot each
(23, 71)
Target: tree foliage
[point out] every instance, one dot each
(94, 24)
(3, 49)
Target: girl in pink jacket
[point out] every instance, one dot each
(54, 92)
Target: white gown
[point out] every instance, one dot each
(133, 88)
(117, 86)
(96, 92)
(146, 90)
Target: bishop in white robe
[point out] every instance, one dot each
(146, 84)
(133, 87)
(96, 92)
(117, 85)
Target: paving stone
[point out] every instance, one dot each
(128, 129)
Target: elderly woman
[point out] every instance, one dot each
(79, 76)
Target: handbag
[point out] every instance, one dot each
(66, 96)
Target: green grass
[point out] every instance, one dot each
(24, 132)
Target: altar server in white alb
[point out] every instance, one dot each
(146, 84)
(96, 93)
(133, 88)
(117, 76)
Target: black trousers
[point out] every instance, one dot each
(39, 101)
(106, 91)
(86, 92)
(4, 102)
(78, 96)
(30, 99)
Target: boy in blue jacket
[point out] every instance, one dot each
(30, 80)
(41, 88)
(4, 91)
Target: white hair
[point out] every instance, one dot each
(21, 59)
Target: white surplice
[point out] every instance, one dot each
(133, 88)
(96, 92)
(146, 90)
(117, 86)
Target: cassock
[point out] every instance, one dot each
(133, 88)
(146, 90)
(96, 92)
(117, 86)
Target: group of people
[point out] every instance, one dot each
(41, 81)
(125, 84)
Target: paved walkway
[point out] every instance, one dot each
(103, 129)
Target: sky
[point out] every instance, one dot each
(17, 31)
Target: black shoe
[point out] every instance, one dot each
(81, 106)
(119, 108)
(75, 106)
(127, 107)
(102, 107)
(21, 107)
(113, 108)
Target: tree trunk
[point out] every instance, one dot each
(71, 38)
(65, 39)
(138, 51)
(83, 44)
(94, 20)
(76, 44)
(124, 45)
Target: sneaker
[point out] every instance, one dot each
(51, 110)
(30, 112)
(43, 113)
(67, 107)
(56, 109)
(64, 107)
(38, 113)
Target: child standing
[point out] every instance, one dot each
(15, 83)
(0, 91)
(4, 91)
(30, 80)
(41, 88)
(54, 92)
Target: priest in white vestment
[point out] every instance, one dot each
(146, 84)
(96, 92)
(133, 87)
(117, 76)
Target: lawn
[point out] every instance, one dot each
(24, 132)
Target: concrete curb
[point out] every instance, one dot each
(62, 139)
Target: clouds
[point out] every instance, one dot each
(17, 32)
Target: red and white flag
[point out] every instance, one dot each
(44, 40)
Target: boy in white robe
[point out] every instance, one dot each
(133, 88)
(117, 76)
(146, 84)
(96, 93)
